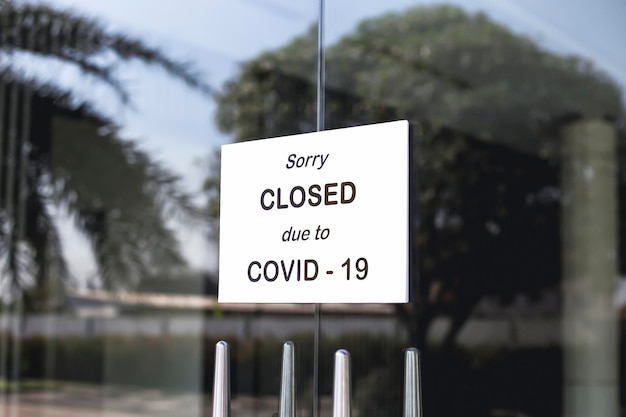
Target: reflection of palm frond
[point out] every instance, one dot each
(43, 235)
(83, 42)
(120, 199)
(56, 151)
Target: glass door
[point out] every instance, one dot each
(518, 109)
(111, 118)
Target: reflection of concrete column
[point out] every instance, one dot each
(589, 256)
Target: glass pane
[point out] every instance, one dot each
(111, 117)
(111, 114)
(517, 107)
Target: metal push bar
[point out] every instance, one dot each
(221, 381)
(342, 406)
(287, 404)
(412, 384)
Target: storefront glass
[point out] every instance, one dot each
(111, 118)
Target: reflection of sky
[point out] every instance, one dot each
(177, 125)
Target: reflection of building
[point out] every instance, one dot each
(522, 323)
(169, 314)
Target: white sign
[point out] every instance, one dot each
(316, 218)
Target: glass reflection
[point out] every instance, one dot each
(491, 107)
(108, 272)
(108, 202)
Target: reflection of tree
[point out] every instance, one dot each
(488, 102)
(58, 151)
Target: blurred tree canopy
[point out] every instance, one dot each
(428, 63)
(487, 103)
(58, 153)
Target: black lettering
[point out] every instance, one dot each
(278, 205)
(344, 185)
(302, 196)
(250, 271)
(316, 198)
(286, 234)
(290, 161)
(267, 278)
(300, 162)
(328, 193)
(267, 207)
(307, 262)
(286, 274)
(333, 194)
(298, 270)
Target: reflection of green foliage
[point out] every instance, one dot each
(488, 103)
(55, 150)
(428, 63)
